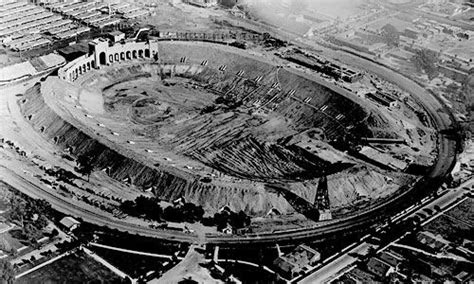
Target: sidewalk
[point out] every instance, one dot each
(106, 264)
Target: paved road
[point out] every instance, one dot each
(345, 260)
(31, 188)
(329, 270)
(133, 251)
(437, 18)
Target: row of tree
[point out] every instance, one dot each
(149, 208)
(228, 218)
(30, 215)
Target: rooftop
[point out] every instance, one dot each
(69, 222)
(378, 267)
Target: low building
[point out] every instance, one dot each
(358, 276)
(411, 33)
(464, 277)
(74, 51)
(435, 243)
(299, 260)
(179, 227)
(453, 72)
(382, 99)
(116, 36)
(391, 258)
(379, 268)
(383, 159)
(202, 3)
(69, 223)
(322, 65)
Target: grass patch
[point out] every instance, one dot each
(132, 264)
(74, 268)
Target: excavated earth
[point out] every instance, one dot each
(216, 130)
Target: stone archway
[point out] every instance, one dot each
(102, 58)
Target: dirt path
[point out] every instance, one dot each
(189, 268)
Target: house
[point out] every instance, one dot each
(179, 201)
(391, 258)
(178, 227)
(227, 230)
(69, 223)
(299, 260)
(358, 276)
(379, 268)
(435, 243)
(464, 277)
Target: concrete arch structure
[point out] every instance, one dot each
(74, 69)
(103, 54)
(102, 58)
(121, 52)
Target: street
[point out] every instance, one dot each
(328, 271)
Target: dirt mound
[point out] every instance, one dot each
(255, 200)
(230, 116)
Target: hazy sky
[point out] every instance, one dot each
(332, 8)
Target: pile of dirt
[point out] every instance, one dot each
(168, 186)
(236, 122)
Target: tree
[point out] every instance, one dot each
(426, 60)
(84, 165)
(42, 222)
(371, 251)
(240, 220)
(391, 35)
(128, 207)
(18, 210)
(30, 233)
(7, 274)
(41, 206)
